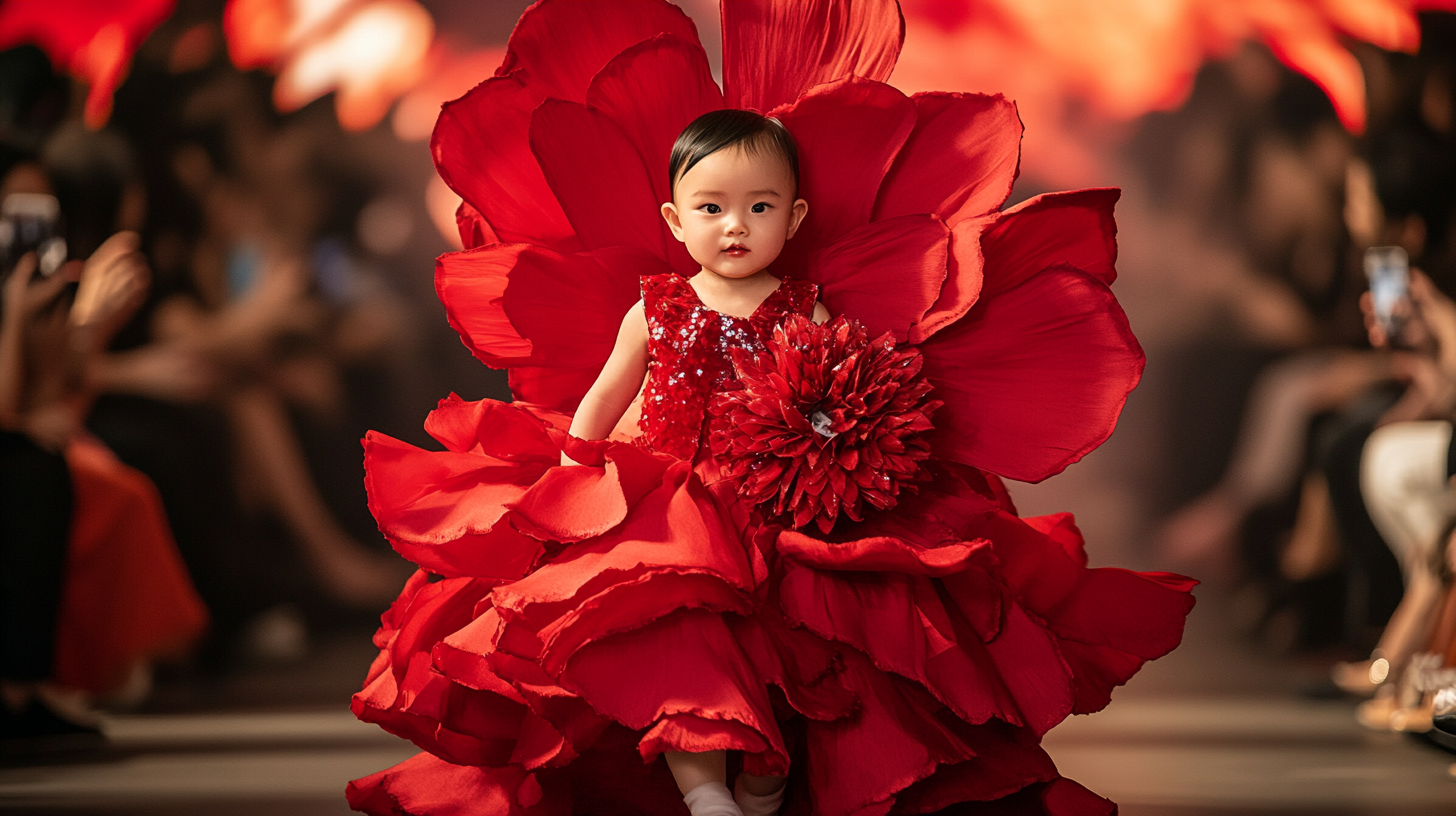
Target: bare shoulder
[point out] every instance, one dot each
(634, 323)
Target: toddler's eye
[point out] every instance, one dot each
(711, 209)
(760, 207)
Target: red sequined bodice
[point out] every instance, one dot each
(688, 354)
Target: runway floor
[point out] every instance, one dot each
(1214, 730)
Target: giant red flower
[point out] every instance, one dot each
(561, 159)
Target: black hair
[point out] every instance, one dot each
(89, 172)
(744, 129)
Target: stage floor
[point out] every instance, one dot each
(1213, 730)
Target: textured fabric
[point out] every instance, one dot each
(689, 347)
(127, 597)
(1404, 483)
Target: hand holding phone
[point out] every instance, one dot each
(1388, 270)
(31, 222)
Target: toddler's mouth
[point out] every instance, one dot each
(737, 251)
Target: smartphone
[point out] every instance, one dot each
(1388, 270)
(31, 222)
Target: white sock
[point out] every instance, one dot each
(755, 805)
(711, 799)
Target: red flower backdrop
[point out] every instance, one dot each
(561, 161)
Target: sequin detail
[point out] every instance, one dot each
(688, 354)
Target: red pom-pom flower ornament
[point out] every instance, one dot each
(824, 422)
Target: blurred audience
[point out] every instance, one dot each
(1336, 501)
(94, 589)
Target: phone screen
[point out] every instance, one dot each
(1388, 269)
(30, 222)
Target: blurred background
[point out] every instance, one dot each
(1285, 446)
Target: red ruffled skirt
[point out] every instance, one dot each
(128, 598)
(568, 625)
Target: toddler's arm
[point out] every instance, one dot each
(821, 314)
(617, 385)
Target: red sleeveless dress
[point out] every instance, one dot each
(569, 624)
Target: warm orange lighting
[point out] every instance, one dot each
(441, 202)
(451, 75)
(1119, 59)
(93, 40)
(368, 52)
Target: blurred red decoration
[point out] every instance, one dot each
(369, 52)
(93, 40)
(1124, 58)
(826, 421)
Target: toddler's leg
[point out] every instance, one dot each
(759, 795)
(702, 778)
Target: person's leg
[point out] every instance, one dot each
(1404, 486)
(268, 447)
(702, 777)
(1373, 574)
(35, 525)
(759, 795)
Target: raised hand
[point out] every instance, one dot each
(114, 283)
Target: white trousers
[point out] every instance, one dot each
(1403, 481)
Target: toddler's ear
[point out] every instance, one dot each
(674, 223)
(796, 216)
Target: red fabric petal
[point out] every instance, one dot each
(848, 135)
(511, 432)
(774, 51)
(882, 554)
(509, 302)
(481, 151)
(446, 511)
(474, 231)
(1006, 761)
(898, 737)
(598, 177)
(427, 784)
(959, 162)
(963, 280)
(565, 44)
(685, 664)
(1074, 228)
(652, 91)
(1033, 379)
(886, 274)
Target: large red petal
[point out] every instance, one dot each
(652, 91)
(598, 177)
(509, 302)
(481, 150)
(1075, 228)
(886, 274)
(959, 162)
(964, 270)
(1034, 378)
(565, 44)
(474, 229)
(447, 511)
(776, 50)
(882, 554)
(848, 136)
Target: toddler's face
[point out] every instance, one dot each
(734, 211)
